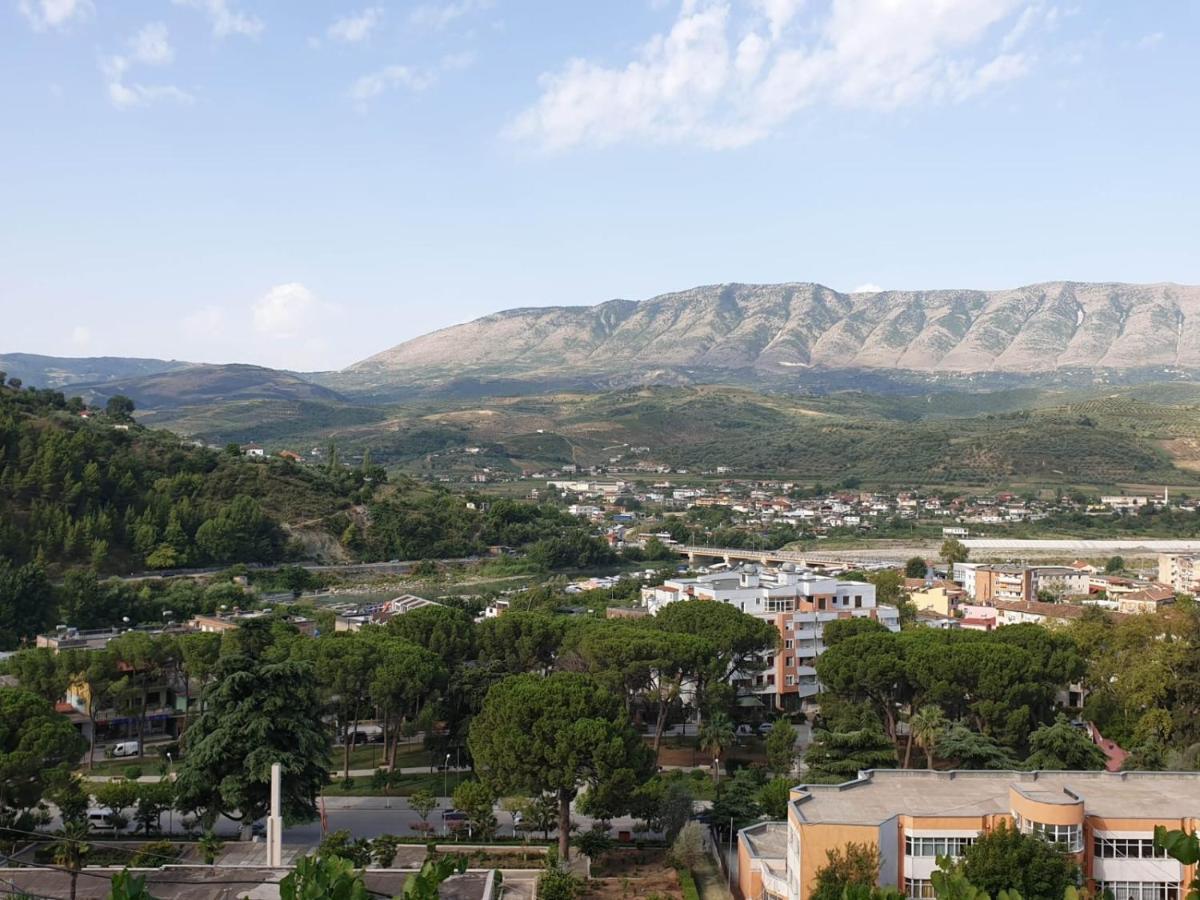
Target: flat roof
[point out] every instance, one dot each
(881, 794)
(767, 840)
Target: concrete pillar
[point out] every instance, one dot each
(275, 820)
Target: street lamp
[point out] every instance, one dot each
(171, 809)
(446, 777)
(717, 766)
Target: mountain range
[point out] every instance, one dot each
(777, 330)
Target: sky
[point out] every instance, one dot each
(303, 183)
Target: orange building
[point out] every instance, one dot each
(1106, 819)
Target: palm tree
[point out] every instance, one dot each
(71, 850)
(716, 735)
(925, 726)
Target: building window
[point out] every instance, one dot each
(918, 889)
(791, 680)
(1140, 890)
(1070, 836)
(1126, 848)
(787, 660)
(787, 645)
(936, 846)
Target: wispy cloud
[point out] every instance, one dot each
(440, 15)
(289, 311)
(225, 20)
(47, 14)
(1151, 40)
(151, 46)
(386, 79)
(869, 288)
(355, 27)
(726, 75)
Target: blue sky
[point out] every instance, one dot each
(303, 184)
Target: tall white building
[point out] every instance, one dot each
(797, 603)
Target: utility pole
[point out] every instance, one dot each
(275, 820)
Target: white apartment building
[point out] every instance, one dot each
(799, 603)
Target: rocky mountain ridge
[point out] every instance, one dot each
(774, 330)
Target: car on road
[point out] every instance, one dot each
(765, 728)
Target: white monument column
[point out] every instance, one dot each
(275, 820)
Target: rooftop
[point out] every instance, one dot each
(881, 794)
(767, 840)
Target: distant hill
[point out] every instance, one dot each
(59, 371)
(747, 334)
(209, 385)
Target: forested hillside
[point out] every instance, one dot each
(104, 492)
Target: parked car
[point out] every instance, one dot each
(125, 748)
(99, 818)
(765, 728)
(365, 734)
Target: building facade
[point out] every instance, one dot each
(1105, 819)
(1181, 571)
(799, 603)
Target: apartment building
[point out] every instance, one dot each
(1181, 571)
(1021, 584)
(799, 603)
(1106, 819)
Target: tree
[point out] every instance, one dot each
(539, 734)
(119, 408)
(1184, 848)
(38, 747)
(127, 886)
(345, 666)
(972, 750)
(71, 850)
(258, 713)
(954, 551)
(915, 567)
(855, 865)
(716, 736)
(835, 757)
(1062, 746)
(405, 679)
(1114, 565)
(781, 748)
(153, 799)
(422, 802)
(478, 802)
(424, 885)
(210, 846)
(447, 632)
(317, 877)
(1005, 859)
(737, 799)
(26, 602)
(925, 728)
(774, 796)
(520, 641)
(869, 666)
(688, 850)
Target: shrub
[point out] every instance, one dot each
(132, 773)
(687, 883)
(154, 855)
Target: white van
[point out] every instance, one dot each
(100, 819)
(126, 748)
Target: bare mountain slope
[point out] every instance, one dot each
(774, 329)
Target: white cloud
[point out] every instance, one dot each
(1151, 40)
(440, 15)
(81, 337)
(45, 14)
(151, 46)
(206, 322)
(225, 21)
(356, 27)
(722, 77)
(287, 311)
(388, 78)
(868, 288)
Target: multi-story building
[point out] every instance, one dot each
(798, 603)
(1021, 584)
(1181, 571)
(1105, 819)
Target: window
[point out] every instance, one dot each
(858, 602)
(1126, 848)
(918, 889)
(787, 660)
(936, 846)
(787, 645)
(1140, 890)
(1070, 836)
(791, 680)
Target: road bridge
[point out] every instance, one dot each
(800, 558)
